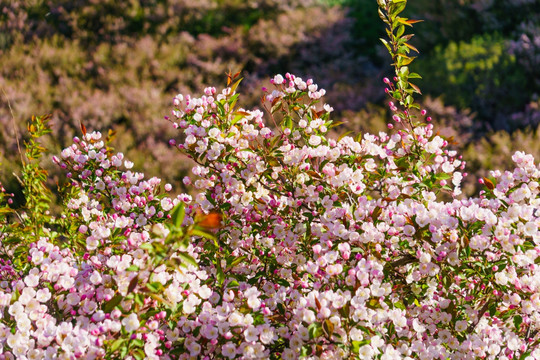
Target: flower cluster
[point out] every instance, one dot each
(110, 201)
(97, 297)
(347, 247)
(328, 248)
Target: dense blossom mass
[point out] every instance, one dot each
(327, 249)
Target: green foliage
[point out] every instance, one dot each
(479, 74)
(448, 20)
(32, 220)
(36, 193)
(401, 89)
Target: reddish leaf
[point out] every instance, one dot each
(318, 304)
(416, 88)
(133, 284)
(213, 220)
(328, 328)
(411, 47)
(489, 184)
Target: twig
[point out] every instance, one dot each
(480, 314)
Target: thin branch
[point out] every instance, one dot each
(480, 314)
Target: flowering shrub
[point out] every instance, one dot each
(297, 245)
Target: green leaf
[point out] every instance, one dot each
(409, 100)
(237, 118)
(111, 304)
(133, 268)
(343, 135)
(400, 31)
(233, 100)
(186, 258)
(197, 231)
(154, 286)
(517, 321)
(177, 350)
(315, 330)
(15, 296)
(288, 123)
(407, 61)
(178, 214)
(123, 352)
(398, 8)
(356, 345)
(235, 85)
(400, 305)
(332, 124)
(221, 108)
(283, 282)
(443, 176)
(146, 246)
(116, 344)
(237, 261)
(493, 309)
(138, 354)
(139, 299)
(387, 45)
(137, 342)
(404, 72)
(220, 276)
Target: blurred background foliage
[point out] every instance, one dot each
(117, 65)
